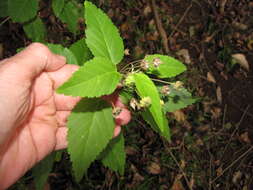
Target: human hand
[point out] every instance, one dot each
(32, 116)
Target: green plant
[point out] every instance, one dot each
(98, 77)
(67, 11)
(147, 88)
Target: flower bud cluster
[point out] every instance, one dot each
(145, 102)
(178, 84)
(129, 81)
(145, 65)
(165, 90)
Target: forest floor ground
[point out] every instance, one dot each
(212, 140)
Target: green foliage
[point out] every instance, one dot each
(67, 12)
(96, 78)
(91, 128)
(42, 170)
(91, 123)
(81, 51)
(114, 155)
(22, 10)
(146, 88)
(103, 37)
(163, 66)
(58, 49)
(3, 8)
(35, 30)
(178, 99)
(57, 6)
(147, 116)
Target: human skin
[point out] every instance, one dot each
(32, 116)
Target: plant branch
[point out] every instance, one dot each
(5, 20)
(240, 157)
(159, 26)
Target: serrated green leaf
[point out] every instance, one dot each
(59, 49)
(147, 116)
(4, 8)
(96, 78)
(57, 6)
(103, 37)
(81, 51)
(146, 88)
(164, 66)
(91, 128)
(35, 30)
(178, 99)
(70, 15)
(22, 10)
(41, 171)
(114, 156)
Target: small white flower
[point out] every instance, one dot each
(145, 102)
(157, 62)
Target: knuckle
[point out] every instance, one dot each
(41, 48)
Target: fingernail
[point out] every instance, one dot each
(74, 69)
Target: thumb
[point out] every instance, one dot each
(33, 60)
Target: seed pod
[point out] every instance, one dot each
(129, 81)
(178, 84)
(157, 62)
(144, 65)
(134, 104)
(165, 90)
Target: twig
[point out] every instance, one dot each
(159, 26)
(235, 130)
(222, 6)
(180, 168)
(240, 157)
(161, 81)
(181, 20)
(4, 21)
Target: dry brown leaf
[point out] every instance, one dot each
(216, 112)
(147, 10)
(219, 171)
(210, 78)
(182, 164)
(154, 168)
(241, 60)
(250, 44)
(219, 94)
(217, 162)
(245, 137)
(204, 128)
(177, 185)
(199, 142)
(239, 25)
(179, 116)
(124, 27)
(185, 54)
(130, 150)
(236, 177)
